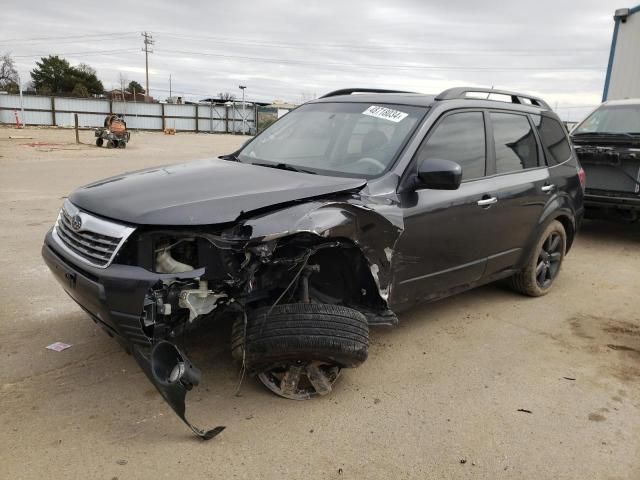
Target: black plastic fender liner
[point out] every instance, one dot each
(375, 229)
(173, 375)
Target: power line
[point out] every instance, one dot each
(78, 37)
(351, 46)
(83, 41)
(381, 66)
(78, 54)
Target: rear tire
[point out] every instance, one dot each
(543, 264)
(301, 332)
(99, 142)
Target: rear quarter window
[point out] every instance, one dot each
(516, 147)
(554, 139)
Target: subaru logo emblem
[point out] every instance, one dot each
(76, 222)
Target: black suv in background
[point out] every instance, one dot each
(608, 145)
(347, 210)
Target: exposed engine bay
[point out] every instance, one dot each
(252, 276)
(321, 287)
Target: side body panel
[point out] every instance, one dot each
(444, 244)
(512, 219)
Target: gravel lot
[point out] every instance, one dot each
(440, 397)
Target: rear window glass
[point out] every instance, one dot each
(553, 138)
(516, 147)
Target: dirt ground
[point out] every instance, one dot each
(487, 384)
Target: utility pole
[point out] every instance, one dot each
(148, 41)
(169, 85)
(21, 102)
(244, 117)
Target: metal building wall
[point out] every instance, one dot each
(60, 111)
(211, 118)
(66, 106)
(39, 112)
(623, 73)
(174, 117)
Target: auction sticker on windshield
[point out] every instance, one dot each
(385, 113)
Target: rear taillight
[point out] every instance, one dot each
(583, 178)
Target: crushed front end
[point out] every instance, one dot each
(613, 176)
(146, 286)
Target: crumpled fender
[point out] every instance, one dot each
(374, 229)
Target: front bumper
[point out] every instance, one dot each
(603, 200)
(113, 296)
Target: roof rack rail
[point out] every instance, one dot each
(461, 92)
(349, 91)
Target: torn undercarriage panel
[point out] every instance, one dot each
(173, 375)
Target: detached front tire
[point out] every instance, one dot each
(298, 349)
(543, 264)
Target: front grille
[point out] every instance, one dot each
(89, 238)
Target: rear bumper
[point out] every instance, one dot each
(630, 202)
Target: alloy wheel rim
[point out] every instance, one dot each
(301, 380)
(549, 259)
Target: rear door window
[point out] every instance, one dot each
(460, 138)
(553, 138)
(516, 146)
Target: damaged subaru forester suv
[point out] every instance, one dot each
(346, 211)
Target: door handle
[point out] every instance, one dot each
(485, 202)
(548, 188)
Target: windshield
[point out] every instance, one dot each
(342, 139)
(617, 119)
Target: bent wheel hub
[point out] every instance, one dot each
(549, 260)
(300, 380)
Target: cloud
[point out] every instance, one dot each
(285, 49)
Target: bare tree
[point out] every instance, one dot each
(87, 69)
(226, 97)
(123, 81)
(8, 73)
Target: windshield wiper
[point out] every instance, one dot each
(232, 157)
(605, 134)
(283, 166)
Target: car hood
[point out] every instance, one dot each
(204, 192)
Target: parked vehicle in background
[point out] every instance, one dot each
(608, 145)
(344, 212)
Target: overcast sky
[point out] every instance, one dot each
(293, 50)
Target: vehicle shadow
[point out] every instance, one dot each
(209, 347)
(604, 230)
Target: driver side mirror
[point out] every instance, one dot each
(438, 174)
